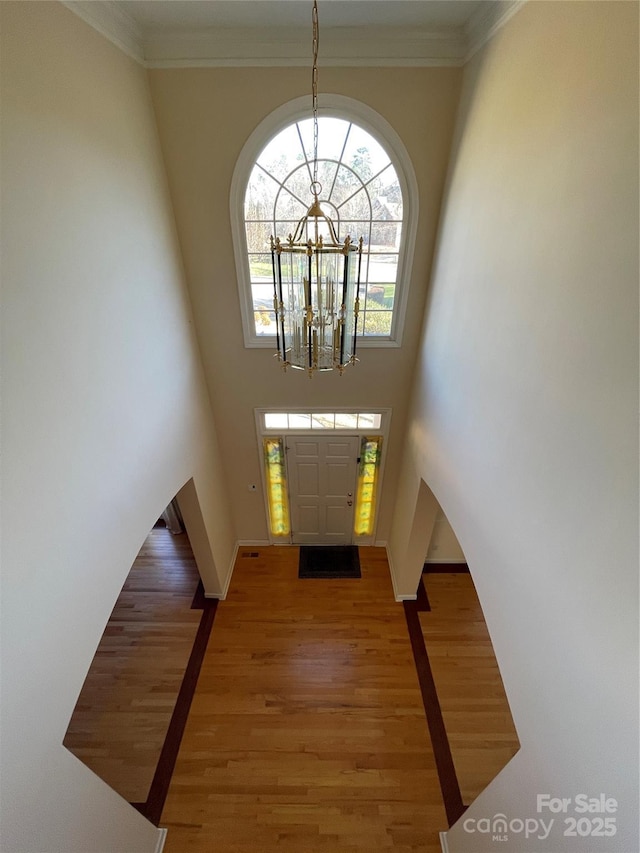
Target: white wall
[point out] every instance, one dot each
(205, 116)
(443, 545)
(525, 419)
(105, 412)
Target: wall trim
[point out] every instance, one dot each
(225, 586)
(397, 596)
(111, 21)
(251, 46)
(453, 561)
(162, 837)
(486, 21)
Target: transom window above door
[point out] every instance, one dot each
(319, 437)
(364, 190)
(286, 421)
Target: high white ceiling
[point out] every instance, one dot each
(178, 33)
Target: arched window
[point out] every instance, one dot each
(368, 189)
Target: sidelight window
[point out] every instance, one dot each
(277, 496)
(370, 455)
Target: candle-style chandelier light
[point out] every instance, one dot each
(316, 278)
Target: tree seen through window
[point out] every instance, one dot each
(360, 192)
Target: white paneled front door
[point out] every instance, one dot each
(322, 474)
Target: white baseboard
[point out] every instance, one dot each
(396, 594)
(444, 844)
(393, 580)
(253, 543)
(162, 837)
(225, 589)
(454, 561)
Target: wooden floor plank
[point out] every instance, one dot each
(475, 709)
(307, 729)
(121, 718)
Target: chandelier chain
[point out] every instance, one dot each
(314, 90)
(316, 278)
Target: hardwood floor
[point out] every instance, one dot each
(307, 730)
(474, 706)
(120, 721)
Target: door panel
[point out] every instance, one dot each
(308, 479)
(337, 518)
(338, 478)
(308, 519)
(307, 448)
(322, 480)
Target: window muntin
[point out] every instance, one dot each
(296, 421)
(360, 191)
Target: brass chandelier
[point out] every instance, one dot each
(316, 278)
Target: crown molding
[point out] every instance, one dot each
(346, 46)
(111, 21)
(485, 22)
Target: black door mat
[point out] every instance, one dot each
(329, 561)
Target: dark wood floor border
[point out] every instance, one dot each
(422, 600)
(152, 808)
(454, 807)
(199, 601)
(444, 568)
